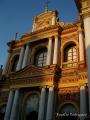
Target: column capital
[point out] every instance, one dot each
(56, 36)
(27, 43)
(51, 86)
(50, 38)
(82, 87)
(42, 87)
(85, 14)
(85, 9)
(80, 30)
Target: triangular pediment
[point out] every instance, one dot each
(31, 71)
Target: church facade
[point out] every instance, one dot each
(47, 72)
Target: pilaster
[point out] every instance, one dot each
(83, 103)
(50, 105)
(42, 104)
(20, 58)
(81, 44)
(9, 105)
(56, 50)
(26, 56)
(49, 54)
(15, 107)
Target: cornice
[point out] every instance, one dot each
(33, 71)
(72, 89)
(83, 7)
(69, 32)
(70, 25)
(39, 35)
(51, 27)
(32, 76)
(70, 28)
(48, 76)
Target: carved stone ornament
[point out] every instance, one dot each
(35, 76)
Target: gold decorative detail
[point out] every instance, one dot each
(70, 90)
(44, 20)
(35, 76)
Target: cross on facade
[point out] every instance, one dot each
(46, 5)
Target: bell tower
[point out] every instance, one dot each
(84, 11)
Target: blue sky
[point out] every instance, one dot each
(17, 16)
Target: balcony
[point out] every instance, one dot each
(70, 64)
(73, 64)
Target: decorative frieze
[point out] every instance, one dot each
(65, 90)
(31, 82)
(72, 97)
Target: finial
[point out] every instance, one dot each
(15, 36)
(46, 5)
(1, 66)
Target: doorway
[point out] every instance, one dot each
(2, 111)
(32, 116)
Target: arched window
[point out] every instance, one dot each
(14, 63)
(68, 110)
(41, 57)
(70, 55)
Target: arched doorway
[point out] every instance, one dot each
(68, 112)
(32, 116)
(31, 107)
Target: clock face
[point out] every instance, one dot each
(32, 103)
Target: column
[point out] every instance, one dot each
(6, 64)
(49, 54)
(25, 56)
(20, 59)
(53, 20)
(9, 105)
(50, 104)
(81, 44)
(42, 104)
(34, 25)
(15, 107)
(56, 50)
(87, 44)
(83, 102)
